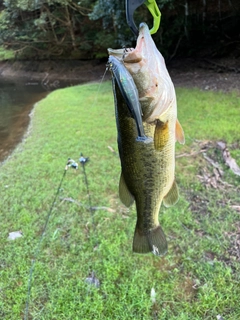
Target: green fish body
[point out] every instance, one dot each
(148, 169)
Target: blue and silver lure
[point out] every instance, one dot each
(129, 92)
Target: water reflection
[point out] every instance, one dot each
(17, 98)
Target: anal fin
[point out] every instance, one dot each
(154, 241)
(171, 197)
(124, 194)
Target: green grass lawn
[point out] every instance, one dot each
(197, 279)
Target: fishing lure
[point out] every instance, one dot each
(129, 92)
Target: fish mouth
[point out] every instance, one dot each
(143, 30)
(142, 47)
(118, 53)
(128, 55)
(131, 55)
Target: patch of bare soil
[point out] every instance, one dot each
(220, 176)
(217, 156)
(205, 74)
(217, 75)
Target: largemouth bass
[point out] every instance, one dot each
(148, 169)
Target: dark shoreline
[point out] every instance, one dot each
(217, 75)
(64, 70)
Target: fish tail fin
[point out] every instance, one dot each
(154, 241)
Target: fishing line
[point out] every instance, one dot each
(104, 74)
(36, 253)
(83, 161)
(91, 279)
(99, 87)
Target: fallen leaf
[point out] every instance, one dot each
(104, 208)
(153, 295)
(82, 205)
(14, 235)
(228, 159)
(235, 207)
(111, 149)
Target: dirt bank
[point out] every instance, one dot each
(222, 74)
(204, 74)
(62, 70)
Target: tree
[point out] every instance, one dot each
(53, 27)
(186, 26)
(86, 28)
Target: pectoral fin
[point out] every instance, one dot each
(161, 135)
(124, 194)
(179, 133)
(172, 197)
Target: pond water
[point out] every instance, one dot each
(17, 98)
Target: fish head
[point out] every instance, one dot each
(147, 67)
